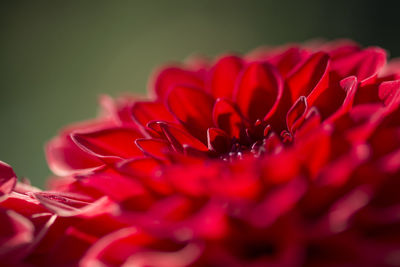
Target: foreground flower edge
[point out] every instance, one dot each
(285, 156)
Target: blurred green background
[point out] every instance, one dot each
(56, 57)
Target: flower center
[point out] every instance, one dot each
(256, 140)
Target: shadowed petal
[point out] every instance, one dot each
(259, 90)
(193, 108)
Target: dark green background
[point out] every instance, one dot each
(57, 57)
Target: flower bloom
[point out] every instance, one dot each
(286, 156)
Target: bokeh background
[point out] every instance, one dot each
(56, 57)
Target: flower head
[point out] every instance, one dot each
(285, 156)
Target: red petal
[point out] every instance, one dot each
(155, 148)
(218, 140)
(296, 114)
(70, 204)
(114, 184)
(8, 179)
(311, 121)
(65, 157)
(170, 77)
(16, 233)
(259, 91)
(144, 112)
(224, 75)
(179, 138)
(309, 77)
(139, 166)
(227, 117)
(145, 169)
(109, 144)
(363, 64)
(193, 108)
(389, 91)
(286, 61)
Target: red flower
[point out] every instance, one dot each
(286, 156)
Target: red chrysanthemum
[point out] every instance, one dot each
(287, 156)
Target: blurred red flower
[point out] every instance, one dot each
(287, 156)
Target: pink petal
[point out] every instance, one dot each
(16, 233)
(70, 204)
(389, 91)
(224, 75)
(193, 108)
(8, 179)
(258, 91)
(115, 248)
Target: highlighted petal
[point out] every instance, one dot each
(109, 144)
(71, 204)
(65, 157)
(224, 75)
(171, 77)
(144, 112)
(310, 77)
